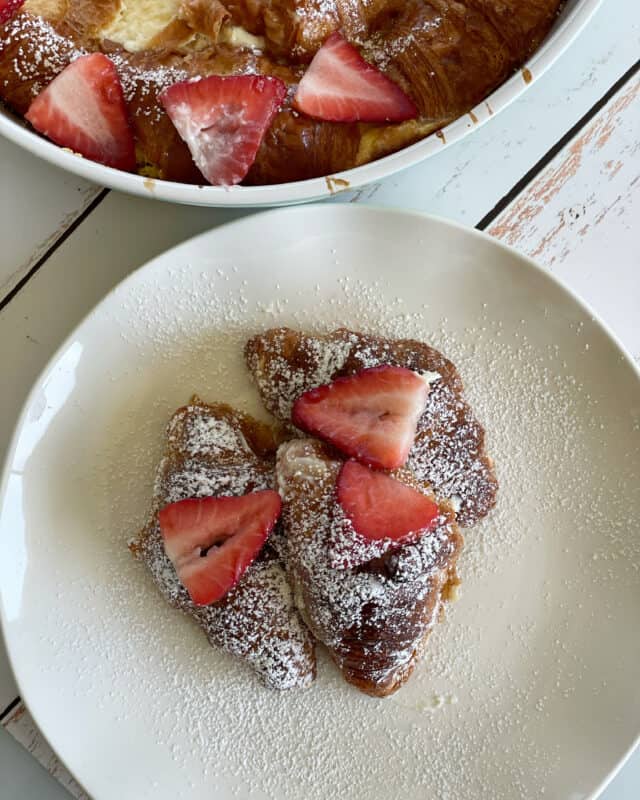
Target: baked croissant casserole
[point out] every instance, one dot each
(350, 529)
(255, 91)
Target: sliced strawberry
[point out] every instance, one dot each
(223, 120)
(340, 86)
(371, 416)
(380, 507)
(212, 541)
(8, 8)
(83, 109)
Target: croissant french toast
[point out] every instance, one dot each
(214, 451)
(375, 613)
(448, 451)
(445, 55)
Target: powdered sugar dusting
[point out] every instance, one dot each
(205, 434)
(209, 456)
(548, 579)
(345, 548)
(284, 381)
(373, 619)
(382, 48)
(143, 83)
(448, 451)
(39, 49)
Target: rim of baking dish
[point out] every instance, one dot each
(569, 25)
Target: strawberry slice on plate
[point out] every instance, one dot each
(8, 8)
(83, 108)
(223, 119)
(371, 416)
(212, 541)
(381, 507)
(340, 86)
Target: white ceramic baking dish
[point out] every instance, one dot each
(574, 17)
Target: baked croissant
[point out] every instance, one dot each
(214, 451)
(374, 617)
(448, 451)
(445, 54)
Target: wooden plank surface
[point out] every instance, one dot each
(38, 202)
(21, 726)
(580, 216)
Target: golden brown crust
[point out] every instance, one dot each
(449, 449)
(375, 617)
(85, 20)
(214, 450)
(298, 148)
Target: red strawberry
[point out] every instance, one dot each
(212, 541)
(83, 109)
(223, 120)
(8, 8)
(340, 86)
(371, 416)
(380, 507)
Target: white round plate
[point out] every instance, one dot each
(530, 685)
(574, 16)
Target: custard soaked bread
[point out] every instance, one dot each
(215, 452)
(443, 55)
(448, 452)
(372, 604)
(351, 530)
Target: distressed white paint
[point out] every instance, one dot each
(580, 215)
(39, 202)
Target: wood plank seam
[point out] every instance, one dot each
(543, 162)
(5, 712)
(52, 249)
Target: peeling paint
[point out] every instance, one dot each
(14, 717)
(528, 223)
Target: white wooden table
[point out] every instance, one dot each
(557, 175)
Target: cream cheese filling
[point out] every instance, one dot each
(139, 22)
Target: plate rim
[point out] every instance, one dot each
(552, 48)
(327, 209)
